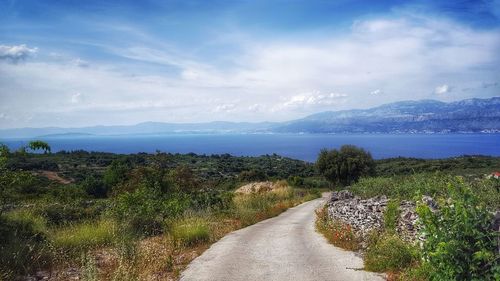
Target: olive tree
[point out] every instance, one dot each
(346, 165)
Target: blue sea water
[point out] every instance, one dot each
(299, 146)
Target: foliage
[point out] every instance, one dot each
(252, 175)
(476, 165)
(346, 165)
(95, 187)
(460, 244)
(11, 182)
(388, 252)
(116, 173)
(77, 238)
(38, 144)
(23, 241)
(391, 216)
(190, 230)
(336, 232)
(412, 187)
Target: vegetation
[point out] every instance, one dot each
(337, 233)
(150, 214)
(388, 253)
(346, 165)
(146, 212)
(460, 243)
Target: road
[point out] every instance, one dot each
(286, 247)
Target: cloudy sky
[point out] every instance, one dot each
(77, 63)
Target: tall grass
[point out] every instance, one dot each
(23, 243)
(388, 252)
(190, 231)
(77, 238)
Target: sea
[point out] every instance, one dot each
(299, 146)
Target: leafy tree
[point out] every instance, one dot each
(38, 144)
(346, 165)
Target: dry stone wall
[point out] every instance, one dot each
(364, 215)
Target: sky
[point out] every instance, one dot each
(72, 63)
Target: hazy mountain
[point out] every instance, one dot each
(138, 129)
(472, 115)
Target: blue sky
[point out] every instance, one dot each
(78, 63)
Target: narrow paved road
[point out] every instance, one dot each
(286, 247)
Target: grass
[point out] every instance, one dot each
(388, 253)
(78, 238)
(132, 257)
(165, 256)
(190, 230)
(391, 216)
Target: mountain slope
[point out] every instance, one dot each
(471, 115)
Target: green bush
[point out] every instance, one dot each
(190, 231)
(405, 187)
(388, 253)
(144, 210)
(460, 244)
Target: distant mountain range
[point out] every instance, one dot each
(425, 116)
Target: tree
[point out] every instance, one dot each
(346, 165)
(38, 144)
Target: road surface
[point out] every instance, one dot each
(286, 247)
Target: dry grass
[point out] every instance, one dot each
(165, 256)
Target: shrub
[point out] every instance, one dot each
(460, 244)
(345, 165)
(190, 231)
(78, 238)
(388, 253)
(391, 216)
(405, 187)
(144, 210)
(58, 214)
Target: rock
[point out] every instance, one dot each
(259, 187)
(341, 195)
(430, 202)
(365, 215)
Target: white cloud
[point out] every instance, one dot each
(76, 98)
(228, 107)
(80, 63)
(255, 107)
(311, 100)
(406, 56)
(443, 89)
(16, 53)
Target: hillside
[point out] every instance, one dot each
(425, 116)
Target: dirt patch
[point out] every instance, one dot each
(260, 187)
(55, 177)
